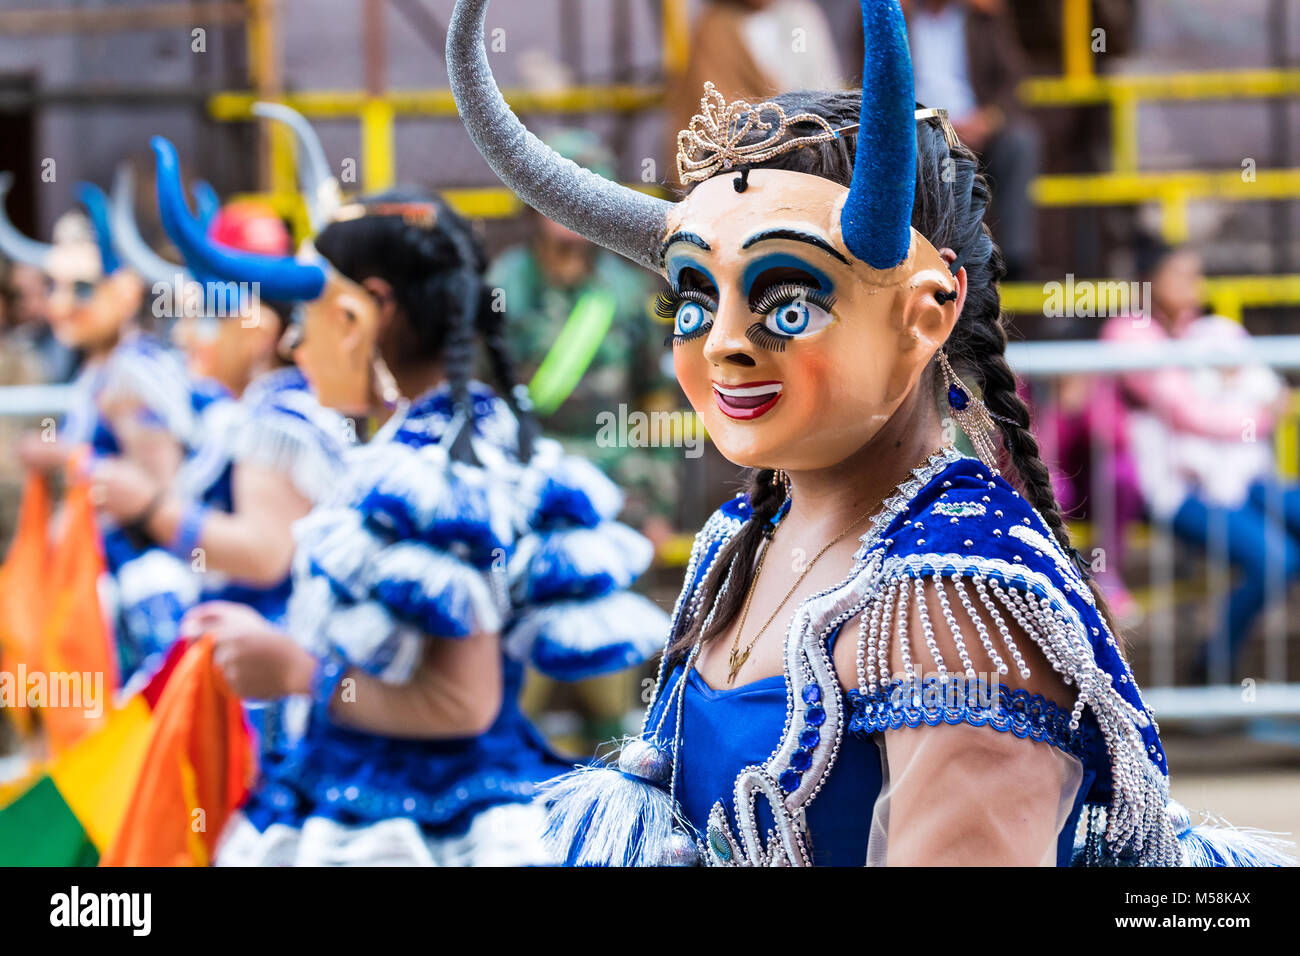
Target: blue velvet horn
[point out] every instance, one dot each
(279, 278)
(877, 219)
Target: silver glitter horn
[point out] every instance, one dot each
(319, 187)
(135, 252)
(13, 244)
(609, 214)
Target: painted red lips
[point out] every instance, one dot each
(747, 401)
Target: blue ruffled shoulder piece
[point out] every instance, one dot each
(448, 549)
(429, 418)
(404, 552)
(967, 530)
(570, 571)
(407, 493)
(286, 429)
(144, 371)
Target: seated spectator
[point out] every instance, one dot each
(558, 283)
(1201, 440)
(1095, 478)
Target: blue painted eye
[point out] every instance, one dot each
(797, 317)
(691, 318)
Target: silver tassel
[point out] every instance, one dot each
(620, 815)
(970, 412)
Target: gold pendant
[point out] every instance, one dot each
(736, 662)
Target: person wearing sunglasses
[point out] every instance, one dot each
(132, 404)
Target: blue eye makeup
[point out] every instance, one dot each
(786, 263)
(690, 309)
(691, 312)
(789, 311)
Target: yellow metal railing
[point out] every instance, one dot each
(1079, 85)
(1124, 94)
(378, 115)
(1172, 189)
(1228, 295)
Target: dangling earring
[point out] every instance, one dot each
(385, 383)
(970, 412)
(781, 480)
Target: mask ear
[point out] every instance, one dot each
(361, 312)
(266, 333)
(930, 308)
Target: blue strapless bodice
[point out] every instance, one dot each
(731, 729)
(735, 728)
(738, 727)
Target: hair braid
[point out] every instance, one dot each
(978, 344)
(492, 330)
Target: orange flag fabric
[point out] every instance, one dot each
(24, 589)
(197, 772)
(77, 655)
(24, 583)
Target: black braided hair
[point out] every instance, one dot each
(435, 266)
(491, 324)
(951, 198)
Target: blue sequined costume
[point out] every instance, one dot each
(150, 589)
(785, 771)
(277, 424)
(413, 545)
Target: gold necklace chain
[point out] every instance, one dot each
(737, 658)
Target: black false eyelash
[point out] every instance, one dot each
(765, 338)
(668, 302)
(666, 305)
(784, 294)
(676, 339)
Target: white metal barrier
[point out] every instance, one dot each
(30, 400)
(1267, 695)
(1046, 362)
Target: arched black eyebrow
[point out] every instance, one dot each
(795, 235)
(688, 237)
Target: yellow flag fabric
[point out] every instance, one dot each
(97, 774)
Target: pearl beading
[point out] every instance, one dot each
(809, 670)
(1135, 826)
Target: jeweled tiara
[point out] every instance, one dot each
(714, 140)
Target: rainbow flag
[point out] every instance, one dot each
(68, 811)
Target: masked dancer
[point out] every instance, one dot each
(457, 547)
(885, 652)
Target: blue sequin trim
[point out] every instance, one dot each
(961, 701)
(325, 684)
